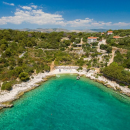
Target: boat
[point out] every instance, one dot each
(78, 77)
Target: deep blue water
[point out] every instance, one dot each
(65, 103)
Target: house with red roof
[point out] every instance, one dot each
(116, 37)
(109, 32)
(92, 39)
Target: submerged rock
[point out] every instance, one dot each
(6, 105)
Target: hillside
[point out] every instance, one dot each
(24, 53)
(61, 30)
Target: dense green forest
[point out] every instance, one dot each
(117, 73)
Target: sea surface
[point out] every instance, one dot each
(64, 103)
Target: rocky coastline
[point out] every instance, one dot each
(7, 97)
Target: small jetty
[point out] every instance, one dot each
(78, 77)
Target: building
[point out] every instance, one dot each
(79, 45)
(100, 41)
(92, 39)
(109, 32)
(116, 37)
(64, 38)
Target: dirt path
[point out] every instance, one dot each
(81, 41)
(52, 66)
(112, 59)
(97, 70)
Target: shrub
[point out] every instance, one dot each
(8, 52)
(62, 49)
(80, 68)
(100, 74)
(18, 70)
(71, 49)
(24, 76)
(121, 84)
(6, 86)
(20, 61)
(11, 67)
(46, 68)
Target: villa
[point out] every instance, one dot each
(109, 32)
(116, 37)
(92, 39)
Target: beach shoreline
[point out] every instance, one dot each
(7, 97)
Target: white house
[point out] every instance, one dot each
(92, 39)
(109, 32)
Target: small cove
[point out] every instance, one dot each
(64, 103)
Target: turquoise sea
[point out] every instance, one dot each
(64, 103)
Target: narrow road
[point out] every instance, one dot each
(52, 66)
(112, 59)
(81, 41)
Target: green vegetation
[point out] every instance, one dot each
(117, 73)
(94, 44)
(25, 53)
(123, 59)
(24, 76)
(122, 42)
(6, 86)
(122, 32)
(106, 47)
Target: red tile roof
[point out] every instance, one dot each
(116, 36)
(92, 37)
(110, 31)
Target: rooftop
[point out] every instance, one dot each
(110, 31)
(92, 37)
(116, 36)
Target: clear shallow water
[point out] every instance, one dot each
(63, 103)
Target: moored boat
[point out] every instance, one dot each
(78, 77)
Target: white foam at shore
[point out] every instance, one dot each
(24, 86)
